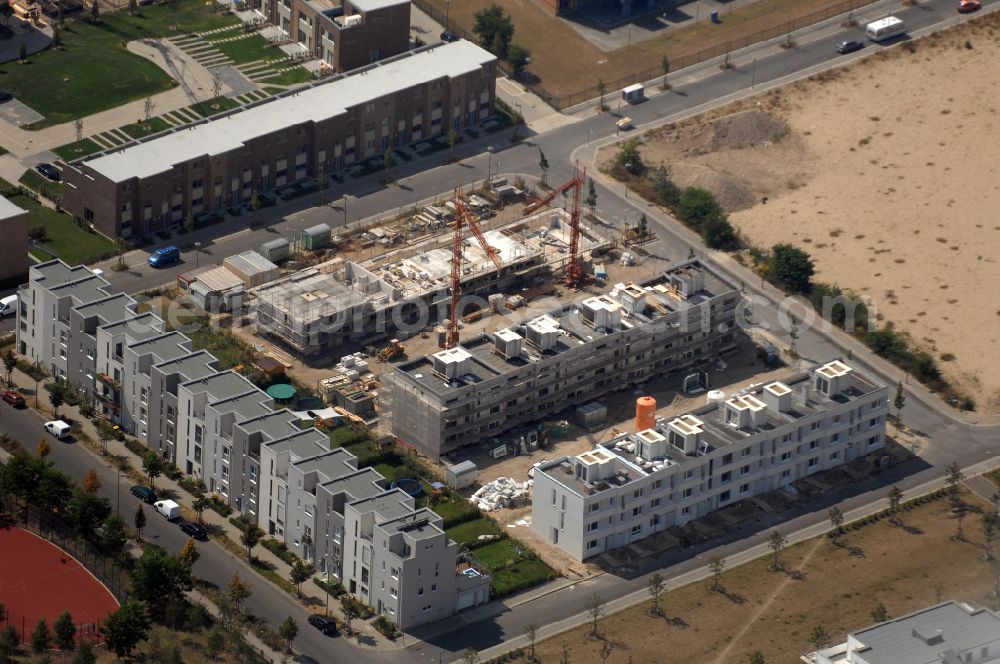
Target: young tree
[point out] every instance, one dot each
(793, 334)
(95, 11)
(22, 53)
(139, 522)
(953, 478)
(792, 267)
(288, 630)
(756, 657)
(452, 140)
(495, 29)
(90, 482)
(898, 404)
(56, 400)
(189, 222)
(470, 656)
(158, 576)
(643, 226)
(10, 640)
(113, 535)
(133, 7)
(655, 586)
(254, 200)
(41, 637)
(602, 88)
(216, 85)
(518, 57)
(65, 631)
(153, 465)
(189, 554)
(388, 160)
(238, 591)
(322, 181)
(819, 637)
(665, 66)
(43, 448)
(895, 497)
(531, 633)
(879, 613)
(215, 642)
(836, 522)
(251, 537)
(591, 200)
(86, 511)
(349, 609)
(595, 607)
(9, 362)
(56, 37)
(989, 523)
(716, 565)
(85, 654)
(126, 627)
(201, 504)
(147, 108)
(543, 165)
(776, 541)
(300, 573)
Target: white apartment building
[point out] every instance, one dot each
(949, 633)
(758, 440)
(217, 426)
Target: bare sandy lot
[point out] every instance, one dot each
(885, 171)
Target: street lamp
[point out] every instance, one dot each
(447, 11)
(197, 253)
(489, 170)
(118, 490)
(345, 210)
(628, 170)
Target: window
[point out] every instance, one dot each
(813, 462)
(747, 451)
(685, 511)
(636, 511)
(655, 502)
(593, 507)
(873, 441)
(657, 484)
(744, 488)
(592, 544)
(686, 494)
(785, 456)
(873, 422)
(834, 455)
(637, 528)
(786, 473)
(727, 459)
(434, 587)
(637, 493)
(813, 444)
(726, 476)
(592, 526)
(724, 496)
(745, 470)
(420, 590)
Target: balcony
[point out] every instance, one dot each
(108, 380)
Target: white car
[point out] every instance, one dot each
(58, 428)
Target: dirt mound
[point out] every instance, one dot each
(733, 193)
(745, 129)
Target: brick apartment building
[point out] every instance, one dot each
(219, 163)
(344, 35)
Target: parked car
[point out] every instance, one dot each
(8, 306)
(447, 36)
(6, 95)
(325, 624)
(49, 171)
(966, 6)
(58, 428)
(195, 530)
(164, 256)
(849, 46)
(144, 493)
(14, 398)
(169, 509)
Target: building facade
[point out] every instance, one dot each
(219, 163)
(343, 35)
(759, 440)
(220, 428)
(949, 633)
(14, 251)
(493, 383)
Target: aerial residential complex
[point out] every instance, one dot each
(343, 35)
(492, 383)
(759, 440)
(14, 251)
(219, 427)
(221, 162)
(949, 633)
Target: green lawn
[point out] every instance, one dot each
(498, 554)
(470, 531)
(294, 76)
(520, 576)
(75, 150)
(249, 49)
(142, 129)
(455, 509)
(34, 180)
(64, 239)
(213, 106)
(94, 71)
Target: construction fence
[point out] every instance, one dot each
(562, 100)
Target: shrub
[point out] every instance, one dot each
(629, 159)
(792, 267)
(386, 627)
(697, 205)
(332, 587)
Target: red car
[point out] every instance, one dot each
(13, 398)
(966, 6)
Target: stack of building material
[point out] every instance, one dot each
(501, 493)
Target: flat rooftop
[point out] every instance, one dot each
(302, 445)
(387, 506)
(251, 404)
(418, 525)
(8, 210)
(88, 288)
(56, 272)
(570, 326)
(220, 385)
(359, 485)
(372, 5)
(313, 104)
(164, 347)
(191, 367)
(140, 328)
(251, 262)
(331, 465)
(273, 425)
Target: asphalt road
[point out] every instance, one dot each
(946, 439)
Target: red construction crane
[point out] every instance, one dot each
(574, 273)
(462, 215)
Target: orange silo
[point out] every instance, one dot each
(645, 413)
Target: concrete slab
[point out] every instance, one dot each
(18, 113)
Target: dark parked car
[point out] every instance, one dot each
(195, 530)
(14, 398)
(325, 624)
(849, 46)
(49, 171)
(6, 95)
(449, 36)
(144, 493)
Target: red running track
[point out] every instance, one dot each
(40, 580)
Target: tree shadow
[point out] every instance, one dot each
(795, 574)
(676, 621)
(366, 640)
(913, 530)
(735, 598)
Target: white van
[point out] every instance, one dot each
(8, 306)
(885, 28)
(169, 509)
(58, 428)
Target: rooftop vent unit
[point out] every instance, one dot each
(452, 363)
